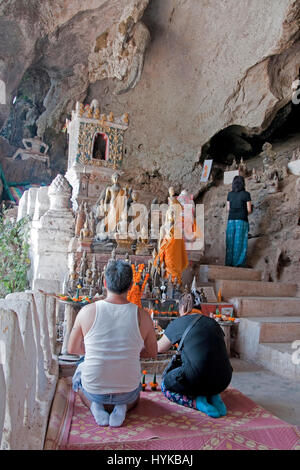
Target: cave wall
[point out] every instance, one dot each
(274, 225)
(206, 68)
(182, 70)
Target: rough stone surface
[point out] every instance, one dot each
(273, 246)
(196, 76)
(183, 72)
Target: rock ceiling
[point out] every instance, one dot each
(183, 71)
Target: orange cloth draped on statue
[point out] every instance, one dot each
(173, 253)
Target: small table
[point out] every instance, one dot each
(226, 327)
(211, 307)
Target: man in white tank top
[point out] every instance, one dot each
(112, 334)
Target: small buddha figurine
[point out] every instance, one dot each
(255, 176)
(100, 211)
(83, 265)
(125, 118)
(122, 225)
(85, 231)
(157, 272)
(89, 112)
(101, 278)
(80, 219)
(234, 166)
(147, 292)
(92, 224)
(268, 156)
(94, 264)
(79, 109)
(88, 277)
(103, 119)
(97, 113)
(243, 170)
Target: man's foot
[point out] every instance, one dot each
(117, 416)
(101, 416)
(203, 405)
(218, 403)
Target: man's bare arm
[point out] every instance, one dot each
(76, 341)
(148, 334)
(163, 344)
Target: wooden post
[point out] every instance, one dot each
(227, 329)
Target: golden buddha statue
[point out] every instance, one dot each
(114, 203)
(172, 251)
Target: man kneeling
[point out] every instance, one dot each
(112, 334)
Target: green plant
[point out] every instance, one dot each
(14, 259)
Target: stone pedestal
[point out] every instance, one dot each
(32, 194)
(85, 245)
(88, 182)
(50, 237)
(42, 202)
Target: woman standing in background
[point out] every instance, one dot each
(239, 206)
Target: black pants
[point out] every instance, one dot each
(177, 381)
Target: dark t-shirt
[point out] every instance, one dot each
(206, 364)
(238, 205)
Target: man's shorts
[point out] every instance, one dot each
(107, 399)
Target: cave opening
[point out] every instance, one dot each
(237, 141)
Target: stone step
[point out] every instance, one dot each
(256, 341)
(266, 306)
(279, 329)
(209, 273)
(280, 358)
(230, 289)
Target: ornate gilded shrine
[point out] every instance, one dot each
(96, 144)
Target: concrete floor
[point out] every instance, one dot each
(279, 395)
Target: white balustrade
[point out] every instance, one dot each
(28, 368)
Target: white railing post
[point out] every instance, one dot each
(23, 311)
(2, 394)
(14, 433)
(30, 368)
